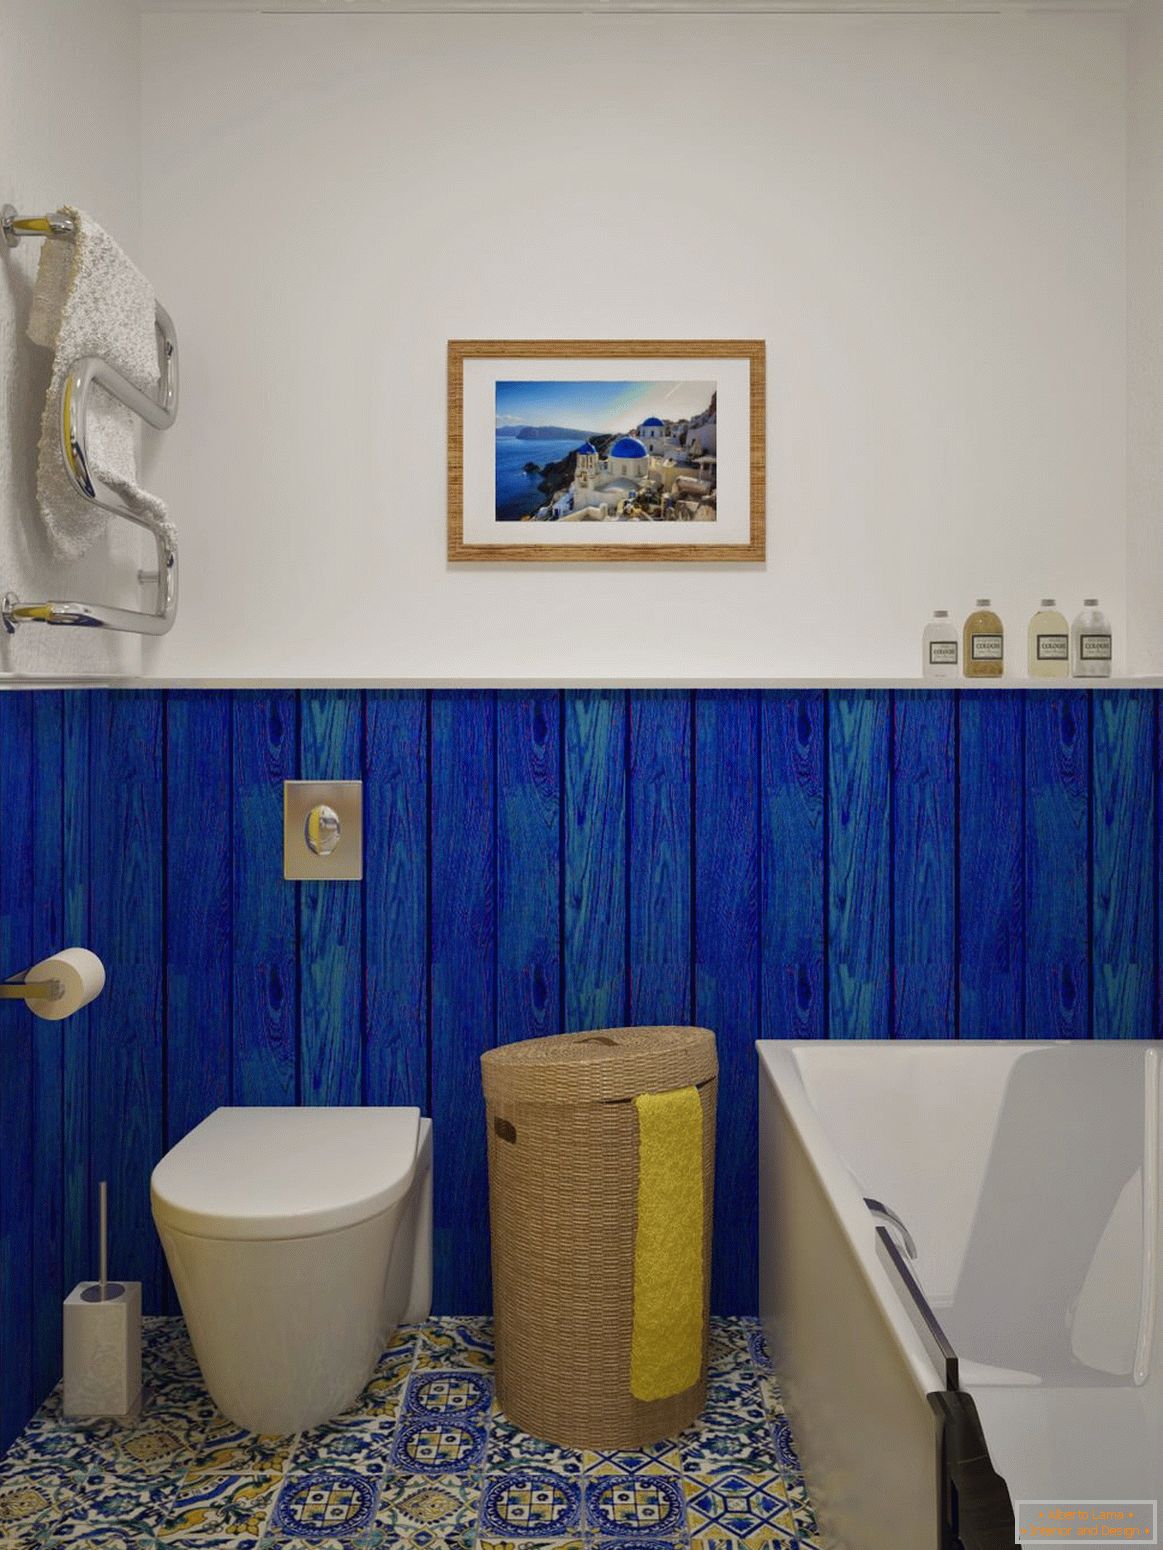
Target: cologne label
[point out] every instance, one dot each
(1094, 648)
(1053, 648)
(986, 648)
(942, 653)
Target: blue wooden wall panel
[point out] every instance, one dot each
(330, 948)
(1057, 864)
(793, 745)
(594, 880)
(199, 908)
(17, 1202)
(463, 971)
(979, 863)
(924, 888)
(126, 895)
(76, 1031)
(265, 970)
(47, 1268)
(528, 865)
(859, 865)
(660, 857)
(395, 899)
(1122, 943)
(727, 969)
(990, 875)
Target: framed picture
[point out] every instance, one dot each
(606, 449)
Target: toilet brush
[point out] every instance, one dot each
(102, 1337)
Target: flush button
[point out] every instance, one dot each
(323, 829)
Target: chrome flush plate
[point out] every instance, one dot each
(323, 830)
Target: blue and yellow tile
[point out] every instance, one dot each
(213, 1510)
(323, 1505)
(450, 1342)
(438, 1447)
(666, 1456)
(739, 1505)
(650, 1503)
(511, 1448)
(225, 1448)
(112, 1511)
(531, 1503)
(421, 1514)
(32, 1497)
(362, 1443)
(441, 1394)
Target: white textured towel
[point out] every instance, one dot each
(91, 300)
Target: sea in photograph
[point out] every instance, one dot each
(519, 493)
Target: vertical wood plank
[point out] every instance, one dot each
(126, 892)
(76, 1031)
(395, 899)
(1056, 890)
(727, 970)
(199, 938)
(924, 806)
(595, 858)
(330, 918)
(528, 865)
(17, 1224)
(793, 740)
(991, 911)
(463, 988)
(859, 852)
(264, 906)
(660, 908)
(1122, 881)
(48, 935)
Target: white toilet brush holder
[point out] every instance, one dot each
(102, 1340)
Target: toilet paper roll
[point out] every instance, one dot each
(80, 972)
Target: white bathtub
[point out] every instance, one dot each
(1019, 1171)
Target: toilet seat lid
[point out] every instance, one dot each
(258, 1173)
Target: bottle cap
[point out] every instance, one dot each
(1048, 602)
(940, 613)
(1090, 602)
(983, 602)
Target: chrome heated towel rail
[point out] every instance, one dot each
(159, 412)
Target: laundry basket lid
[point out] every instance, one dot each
(602, 1065)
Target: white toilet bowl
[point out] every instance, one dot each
(297, 1239)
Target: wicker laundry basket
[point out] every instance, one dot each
(563, 1179)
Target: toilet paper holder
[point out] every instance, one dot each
(15, 989)
(57, 987)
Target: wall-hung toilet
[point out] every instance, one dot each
(298, 1238)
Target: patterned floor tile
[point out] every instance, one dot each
(212, 1510)
(531, 1504)
(772, 1397)
(362, 1443)
(323, 1505)
(759, 1350)
(509, 1448)
(112, 1511)
(713, 1450)
(225, 1448)
(739, 1506)
(162, 1444)
(650, 1503)
(441, 1394)
(455, 1343)
(427, 1512)
(727, 1349)
(489, 1543)
(438, 1447)
(666, 1455)
(32, 1497)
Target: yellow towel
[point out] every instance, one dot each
(666, 1347)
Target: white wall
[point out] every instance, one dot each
(69, 126)
(1145, 337)
(924, 217)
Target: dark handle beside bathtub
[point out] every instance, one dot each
(976, 1510)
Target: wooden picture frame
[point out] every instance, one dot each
(730, 494)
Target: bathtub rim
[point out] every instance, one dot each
(781, 1070)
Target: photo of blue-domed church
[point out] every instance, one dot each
(585, 451)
